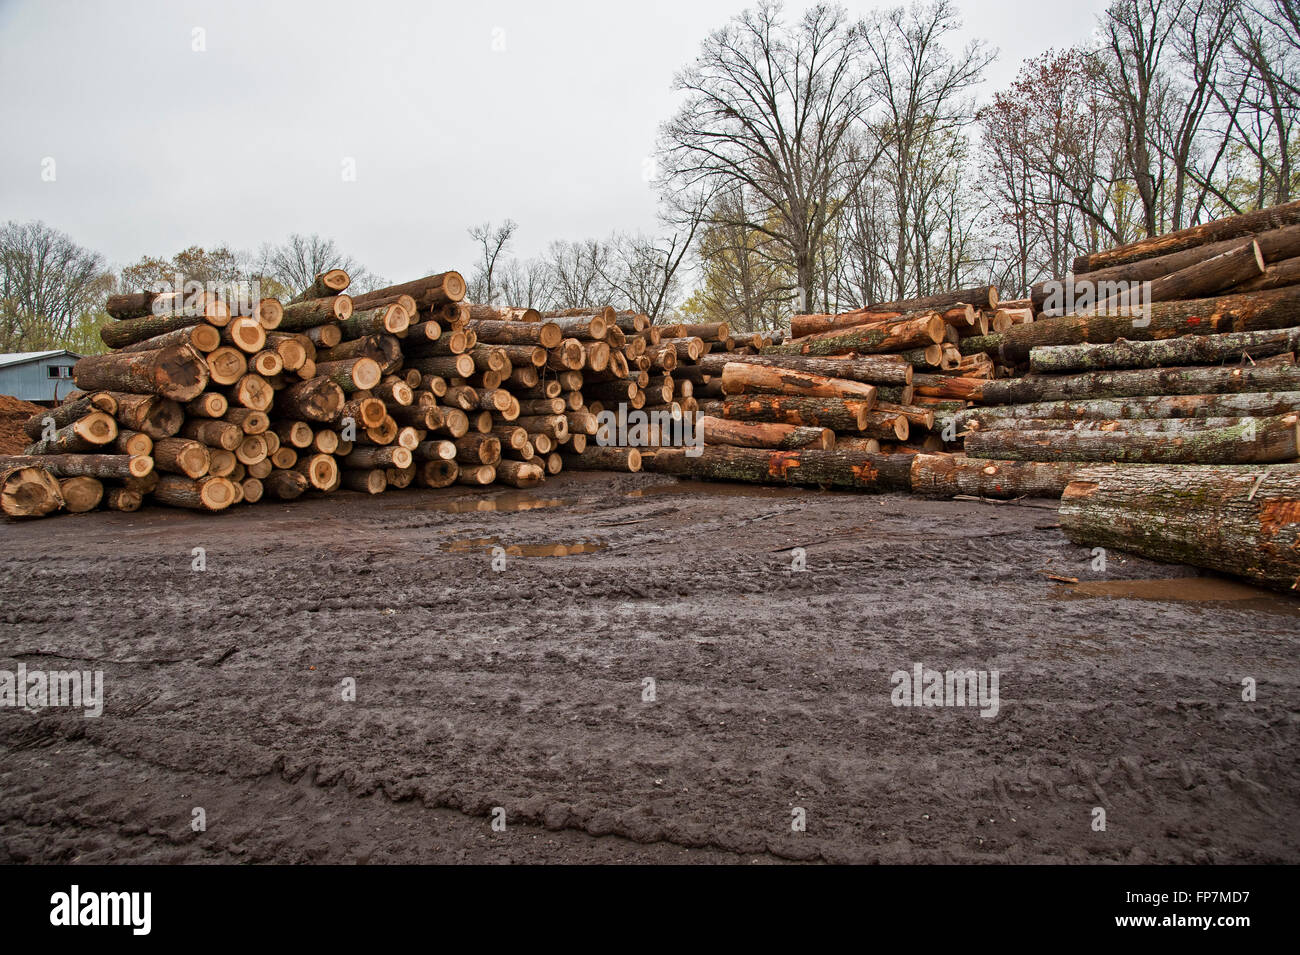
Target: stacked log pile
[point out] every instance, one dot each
(398, 387)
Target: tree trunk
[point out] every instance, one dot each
(285, 484)
(302, 316)
(947, 475)
(215, 434)
(1246, 404)
(883, 337)
(881, 472)
(1230, 227)
(155, 416)
(201, 337)
(437, 473)
(839, 414)
(1187, 350)
(123, 499)
(739, 378)
(598, 458)
(379, 456)
(1280, 275)
(428, 292)
(869, 369)
(351, 374)
(981, 296)
(182, 456)
(546, 334)
(112, 466)
(81, 494)
(522, 474)
(1257, 311)
(1138, 382)
(28, 491)
(89, 433)
(385, 319)
(765, 434)
(329, 283)
(178, 373)
(1243, 521)
(1275, 245)
(1203, 279)
(318, 399)
(1249, 441)
(204, 494)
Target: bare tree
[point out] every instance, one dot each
(578, 273)
(526, 284)
(769, 119)
(492, 243)
(47, 284)
(295, 263)
(924, 92)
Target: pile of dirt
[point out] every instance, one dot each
(13, 415)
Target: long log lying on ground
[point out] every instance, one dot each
(763, 434)
(1245, 404)
(1250, 441)
(179, 373)
(1187, 350)
(869, 339)
(859, 469)
(1256, 311)
(1138, 382)
(947, 475)
(839, 414)
(1243, 521)
(1230, 227)
(739, 378)
(27, 491)
(869, 369)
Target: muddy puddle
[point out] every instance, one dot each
(1185, 590)
(720, 489)
(472, 544)
(506, 502)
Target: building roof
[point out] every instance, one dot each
(21, 357)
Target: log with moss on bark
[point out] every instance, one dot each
(1166, 426)
(948, 475)
(856, 469)
(106, 466)
(1249, 441)
(1254, 311)
(1245, 404)
(1187, 350)
(868, 369)
(927, 329)
(1140, 382)
(179, 372)
(1242, 520)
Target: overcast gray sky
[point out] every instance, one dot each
(454, 113)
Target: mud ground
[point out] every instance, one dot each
(522, 688)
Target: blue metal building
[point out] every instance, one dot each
(39, 376)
